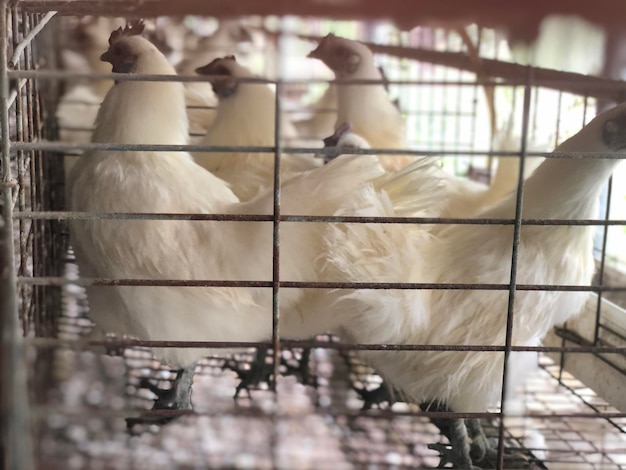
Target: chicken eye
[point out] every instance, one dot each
(117, 50)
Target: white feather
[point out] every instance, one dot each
(136, 112)
(322, 123)
(247, 118)
(366, 107)
(561, 255)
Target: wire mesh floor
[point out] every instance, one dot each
(313, 426)
(311, 422)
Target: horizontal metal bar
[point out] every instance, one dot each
(84, 281)
(61, 147)
(48, 74)
(124, 77)
(129, 343)
(69, 215)
(64, 146)
(43, 410)
(604, 88)
(63, 215)
(78, 102)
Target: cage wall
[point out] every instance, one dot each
(312, 408)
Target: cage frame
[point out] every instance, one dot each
(17, 386)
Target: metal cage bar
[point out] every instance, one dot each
(17, 446)
(47, 276)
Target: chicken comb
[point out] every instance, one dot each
(132, 28)
(333, 140)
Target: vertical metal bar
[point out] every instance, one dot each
(556, 143)
(605, 235)
(443, 110)
(276, 260)
(40, 321)
(16, 432)
(563, 340)
(474, 114)
(557, 130)
(536, 93)
(276, 242)
(514, 257)
(36, 188)
(23, 225)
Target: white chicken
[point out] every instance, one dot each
(136, 112)
(246, 117)
(78, 107)
(465, 381)
(366, 106)
(373, 116)
(469, 198)
(324, 119)
(201, 101)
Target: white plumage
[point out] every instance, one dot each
(136, 112)
(246, 117)
(552, 255)
(324, 116)
(373, 116)
(201, 101)
(470, 198)
(366, 107)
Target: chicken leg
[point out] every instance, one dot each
(258, 372)
(471, 448)
(455, 430)
(178, 397)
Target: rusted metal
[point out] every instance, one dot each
(16, 429)
(521, 19)
(129, 343)
(570, 82)
(66, 147)
(334, 411)
(509, 75)
(83, 281)
(19, 48)
(517, 229)
(69, 215)
(44, 276)
(276, 283)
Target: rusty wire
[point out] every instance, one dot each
(17, 445)
(35, 148)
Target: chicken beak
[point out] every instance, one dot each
(106, 57)
(315, 53)
(204, 70)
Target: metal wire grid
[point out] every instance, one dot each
(84, 422)
(40, 214)
(26, 185)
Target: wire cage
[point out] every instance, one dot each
(67, 403)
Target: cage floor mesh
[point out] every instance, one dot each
(82, 420)
(308, 422)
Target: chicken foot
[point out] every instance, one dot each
(178, 397)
